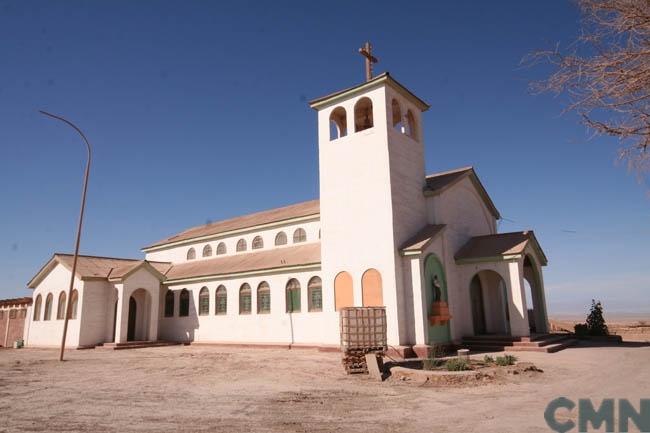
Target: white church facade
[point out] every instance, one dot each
(383, 233)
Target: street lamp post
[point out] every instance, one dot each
(78, 239)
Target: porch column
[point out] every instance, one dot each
(122, 319)
(419, 302)
(517, 301)
(153, 317)
(542, 296)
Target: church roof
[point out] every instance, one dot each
(381, 78)
(304, 209)
(498, 246)
(265, 260)
(93, 267)
(439, 182)
(422, 239)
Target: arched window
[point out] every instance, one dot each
(338, 123)
(363, 114)
(184, 303)
(397, 116)
(315, 294)
(299, 236)
(48, 307)
(241, 245)
(37, 308)
(263, 298)
(60, 310)
(245, 299)
(191, 254)
(169, 303)
(343, 294)
(258, 243)
(371, 289)
(221, 301)
(411, 126)
(207, 251)
(293, 296)
(74, 300)
(221, 248)
(281, 239)
(204, 301)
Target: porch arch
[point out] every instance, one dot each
(489, 303)
(537, 319)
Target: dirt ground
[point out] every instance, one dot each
(200, 389)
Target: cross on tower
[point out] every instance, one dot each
(366, 51)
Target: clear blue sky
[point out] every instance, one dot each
(197, 111)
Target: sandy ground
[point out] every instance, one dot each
(196, 389)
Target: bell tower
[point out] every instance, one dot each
(371, 163)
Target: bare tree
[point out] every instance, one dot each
(606, 74)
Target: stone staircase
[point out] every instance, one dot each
(548, 343)
(135, 345)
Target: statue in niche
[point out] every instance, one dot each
(437, 290)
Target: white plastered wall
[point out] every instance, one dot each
(278, 326)
(48, 333)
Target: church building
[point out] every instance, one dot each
(382, 233)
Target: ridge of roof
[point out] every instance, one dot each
(242, 222)
(436, 183)
(384, 76)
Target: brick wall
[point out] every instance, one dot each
(12, 325)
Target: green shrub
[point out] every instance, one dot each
(506, 360)
(581, 329)
(457, 365)
(595, 320)
(488, 359)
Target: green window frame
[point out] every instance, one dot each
(263, 298)
(245, 300)
(221, 301)
(204, 301)
(315, 293)
(293, 296)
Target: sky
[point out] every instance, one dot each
(197, 111)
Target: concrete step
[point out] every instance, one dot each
(548, 343)
(136, 345)
(541, 342)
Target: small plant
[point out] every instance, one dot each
(457, 365)
(488, 359)
(505, 360)
(431, 363)
(595, 320)
(433, 360)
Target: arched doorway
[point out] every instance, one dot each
(139, 308)
(534, 297)
(489, 302)
(436, 300)
(114, 321)
(133, 312)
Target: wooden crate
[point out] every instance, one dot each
(363, 328)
